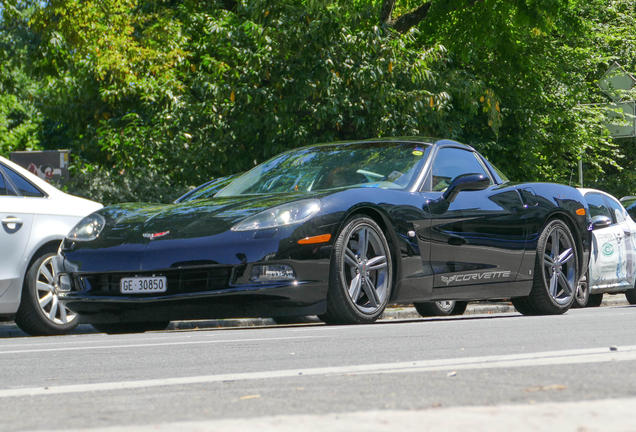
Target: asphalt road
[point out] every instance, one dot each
(476, 372)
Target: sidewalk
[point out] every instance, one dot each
(10, 329)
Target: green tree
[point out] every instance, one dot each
(21, 122)
(152, 96)
(170, 94)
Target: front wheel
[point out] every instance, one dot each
(441, 308)
(360, 274)
(556, 273)
(41, 313)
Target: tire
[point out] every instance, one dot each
(131, 327)
(360, 274)
(556, 273)
(582, 295)
(40, 312)
(630, 295)
(523, 306)
(595, 300)
(441, 308)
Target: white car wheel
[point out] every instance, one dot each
(41, 313)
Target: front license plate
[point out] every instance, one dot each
(143, 285)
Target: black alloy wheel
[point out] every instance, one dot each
(556, 273)
(441, 308)
(361, 274)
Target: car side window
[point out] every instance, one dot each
(597, 205)
(3, 186)
(25, 187)
(450, 163)
(617, 209)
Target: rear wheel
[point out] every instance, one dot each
(132, 327)
(556, 273)
(360, 278)
(582, 295)
(631, 296)
(595, 300)
(41, 313)
(441, 308)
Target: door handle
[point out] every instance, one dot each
(12, 224)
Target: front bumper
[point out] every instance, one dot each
(202, 292)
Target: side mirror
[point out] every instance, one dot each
(599, 222)
(465, 182)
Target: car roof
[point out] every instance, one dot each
(588, 190)
(432, 141)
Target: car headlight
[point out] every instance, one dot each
(87, 229)
(286, 214)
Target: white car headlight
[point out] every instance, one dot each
(286, 214)
(87, 229)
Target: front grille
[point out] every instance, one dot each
(179, 281)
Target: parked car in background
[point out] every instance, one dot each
(35, 219)
(337, 230)
(612, 266)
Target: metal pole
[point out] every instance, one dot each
(581, 172)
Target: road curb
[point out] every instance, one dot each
(10, 329)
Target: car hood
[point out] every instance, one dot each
(187, 220)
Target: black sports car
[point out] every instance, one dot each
(337, 230)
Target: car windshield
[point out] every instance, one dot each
(368, 164)
(630, 205)
(207, 190)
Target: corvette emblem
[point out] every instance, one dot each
(475, 276)
(152, 236)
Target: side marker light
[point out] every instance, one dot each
(580, 212)
(315, 239)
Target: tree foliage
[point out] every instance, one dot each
(21, 121)
(153, 96)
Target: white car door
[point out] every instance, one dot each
(609, 255)
(16, 217)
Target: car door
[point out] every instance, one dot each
(16, 217)
(607, 264)
(626, 247)
(480, 238)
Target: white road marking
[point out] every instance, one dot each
(616, 415)
(144, 345)
(594, 355)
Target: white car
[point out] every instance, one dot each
(35, 219)
(613, 259)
